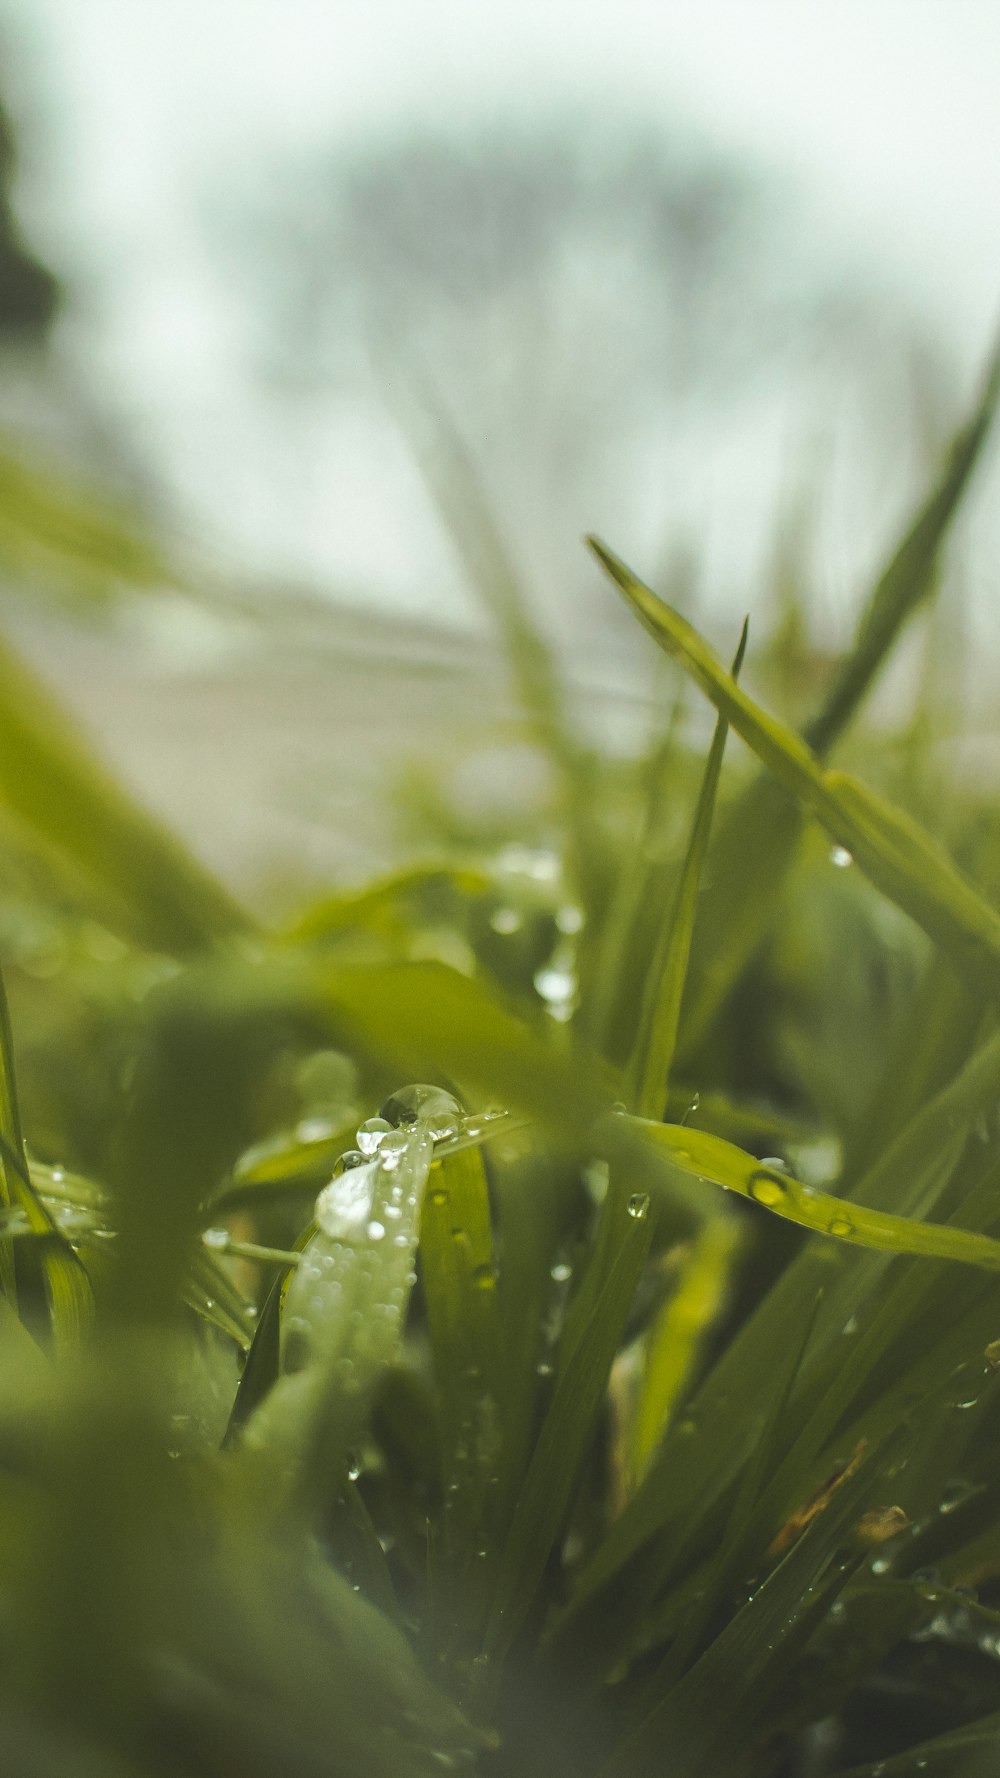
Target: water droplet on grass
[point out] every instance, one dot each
(840, 1225)
(841, 857)
(638, 1206)
(217, 1240)
(561, 1272)
(344, 1206)
(346, 1162)
(371, 1134)
(419, 1101)
(766, 1188)
(505, 921)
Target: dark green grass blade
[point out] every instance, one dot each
(566, 1432)
(906, 1180)
(705, 1721)
(150, 885)
(459, 1275)
(46, 1281)
(656, 1040)
(894, 853)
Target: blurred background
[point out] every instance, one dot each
(328, 330)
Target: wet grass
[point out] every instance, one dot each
(622, 1403)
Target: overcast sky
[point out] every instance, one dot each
(884, 112)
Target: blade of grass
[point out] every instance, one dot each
(894, 853)
(710, 1158)
(758, 837)
(566, 1432)
(456, 488)
(151, 886)
(656, 1039)
(676, 1336)
(693, 1473)
(47, 1282)
(459, 1276)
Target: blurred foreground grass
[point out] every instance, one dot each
(620, 1400)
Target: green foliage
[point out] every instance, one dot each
(621, 1402)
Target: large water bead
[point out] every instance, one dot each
(409, 1105)
(344, 1206)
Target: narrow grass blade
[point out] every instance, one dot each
(909, 574)
(675, 1339)
(898, 857)
(151, 886)
(758, 837)
(568, 1427)
(46, 1281)
(65, 539)
(451, 478)
(906, 1179)
(704, 1720)
(656, 1040)
(459, 1277)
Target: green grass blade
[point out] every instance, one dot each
(566, 1432)
(676, 1336)
(46, 1281)
(757, 839)
(909, 574)
(151, 886)
(704, 1721)
(67, 540)
(907, 1177)
(894, 853)
(459, 1277)
(710, 1158)
(656, 1041)
(456, 488)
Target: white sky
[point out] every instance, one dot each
(886, 112)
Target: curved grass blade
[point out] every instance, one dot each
(757, 838)
(656, 1041)
(894, 853)
(710, 1158)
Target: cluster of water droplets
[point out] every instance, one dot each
(357, 1271)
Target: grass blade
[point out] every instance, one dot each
(150, 884)
(709, 1157)
(894, 853)
(656, 1039)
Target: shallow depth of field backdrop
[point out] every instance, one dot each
(406, 950)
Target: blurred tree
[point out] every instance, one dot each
(29, 294)
(612, 316)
